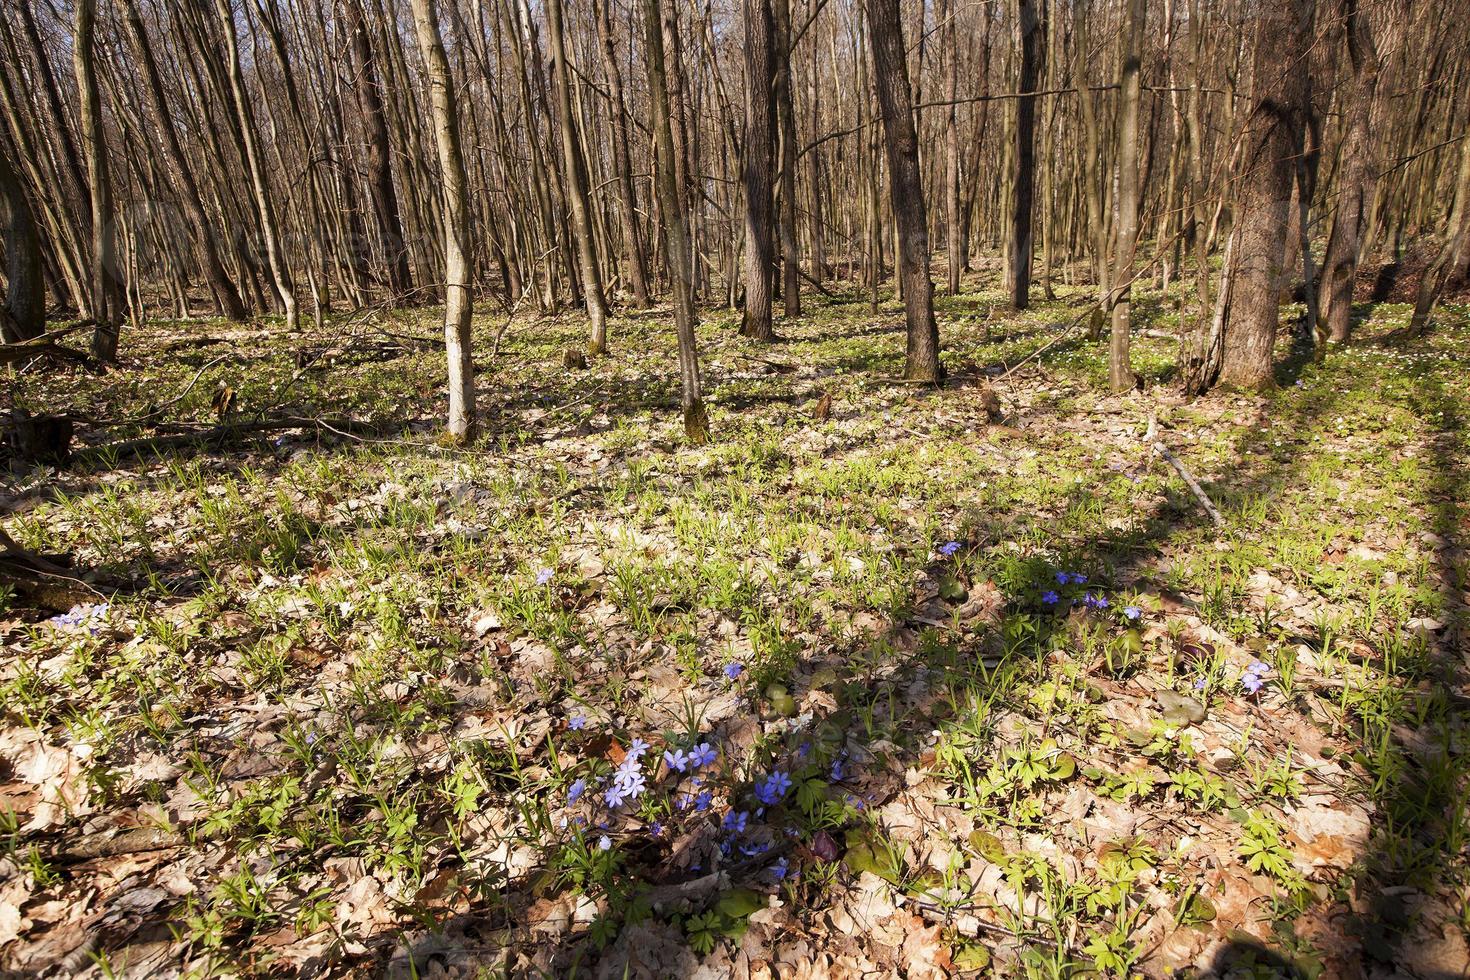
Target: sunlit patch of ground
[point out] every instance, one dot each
(894, 692)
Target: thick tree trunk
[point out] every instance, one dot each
(676, 235)
(1266, 171)
(1031, 22)
(24, 313)
(637, 267)
(1120, 369)
(379, 151)
(577, 185)
(458, 244)
(760, 123)
(895, 102)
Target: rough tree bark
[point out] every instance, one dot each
(458, 245)
(895, 103)
(1265, 175)
(24, 313)
(760, 123)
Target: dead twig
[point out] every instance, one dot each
(1158, 447)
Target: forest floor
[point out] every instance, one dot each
(889, 692)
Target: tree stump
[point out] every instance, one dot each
(43, 439)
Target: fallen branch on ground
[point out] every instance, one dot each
(220, 435)
(46, 345)
(1158, 446)
(41, 580)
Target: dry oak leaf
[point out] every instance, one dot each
(57, 775)
(924, 955)
(1330, 837)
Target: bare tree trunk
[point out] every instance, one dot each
(1194, 340)
(576, 174)
(1120, 369)
(676, 236)
(108, 302)
(226, 296)
(1097, 222)
(1031, 22)
(890, 72)
(458, 245)
(682, 127)
(61, 131)
(1266, 172)
(617, 112)
(1357, 174)
(24, 313)
(379, 148)
(1456, 240)
(953, 238)
(280, 273)
(759, 129)
(786, 125)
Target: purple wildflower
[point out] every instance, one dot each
(544, 575)
(702, 755)
(676, 760)
(735, 821)
(734, 669)
(1132, 612)
(574, 793)
(773, 789)
(577, 723)
(949, 548)
(1050, 597)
